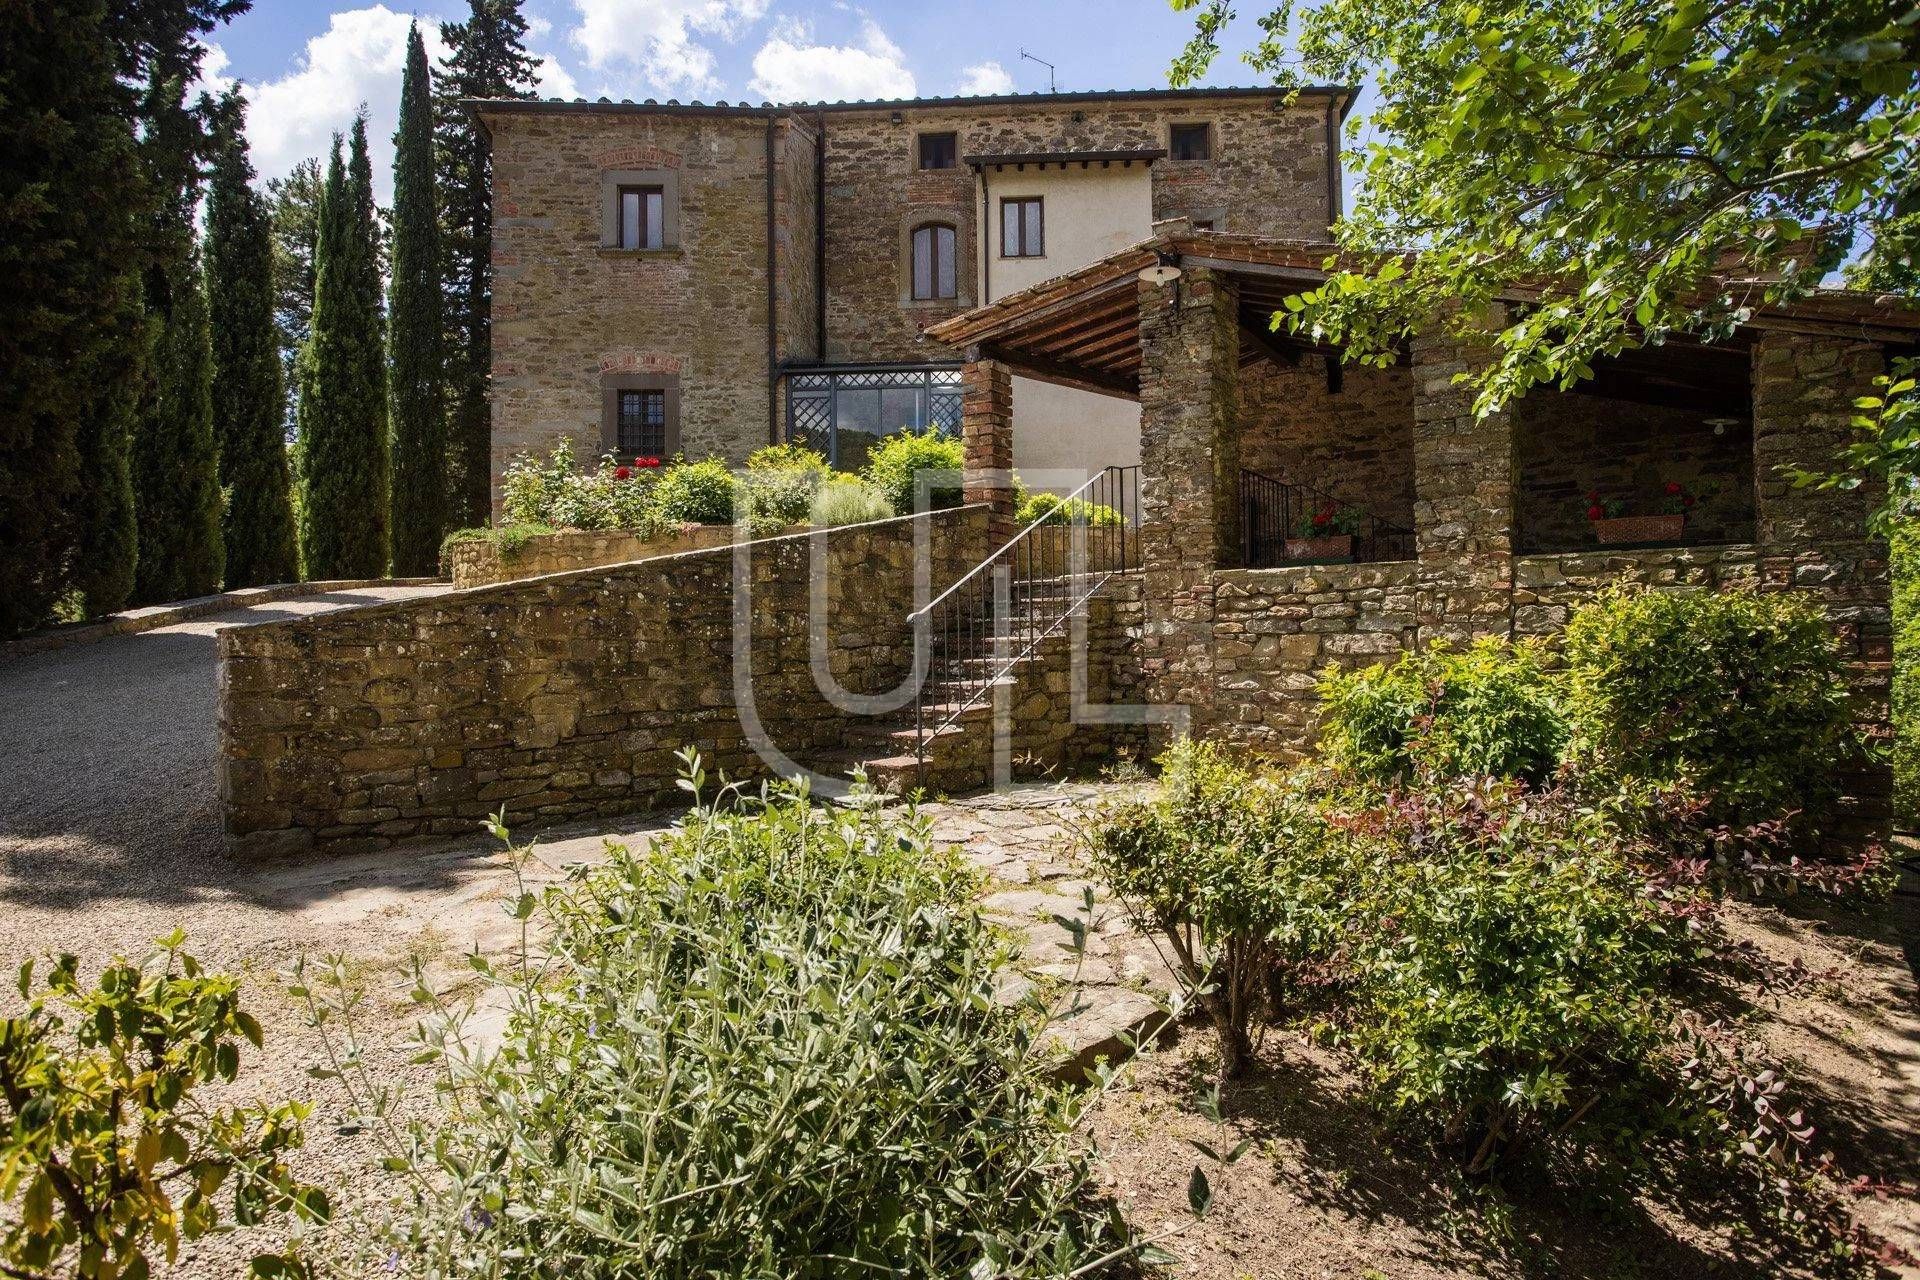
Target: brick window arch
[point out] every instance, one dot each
(933, 262)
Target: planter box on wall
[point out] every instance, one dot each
(1629, 531)
(1336, 548)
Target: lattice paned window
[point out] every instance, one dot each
(641, 425)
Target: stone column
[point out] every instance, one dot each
(1816, 540)
(986, 428)
(1465, 483)
(1189, 475)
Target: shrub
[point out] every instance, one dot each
(1743, 694)
(897, 460)
(777, 497)
(1491, 709)
(766, 1044)
(555, 494)
(846, 500)
(789, 457)
(1035, 506)
(1237, 873)
(1904, 540)
(111, 1159)
(1507, 961)
(696, 493)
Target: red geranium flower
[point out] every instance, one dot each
(622, 473)
(646, 462)
(1320, 521)
(1593, 495)
(1673, 487)
(1687, 501)
(1596, 512)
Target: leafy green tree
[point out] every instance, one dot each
(1647, 168)
(343, 383)
(175, 463)
(110, 1160)
(486, 58)
(295, 201)
(417, 368)
(247, 392)
(70, 327)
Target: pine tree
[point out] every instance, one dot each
(69, 310)
(486, 58)
(417, 368)
(343, 380)
(248, 401)
(176, 481)
(296, 231)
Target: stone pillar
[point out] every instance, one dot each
(986, 428)
(1465, 484)
(1817, 540)
(1189, 476)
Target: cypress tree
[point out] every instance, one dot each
(417, 368)
(248, 400)
(176, 481)
(343, 383)
(486, 58)
(69, 309)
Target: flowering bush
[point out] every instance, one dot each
(1328, 520)
(555, 493)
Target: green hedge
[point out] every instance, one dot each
(1740, 694)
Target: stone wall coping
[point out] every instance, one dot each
(130, 622)
(231, 640)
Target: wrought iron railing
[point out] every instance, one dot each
(979, 629)
(1273, 510)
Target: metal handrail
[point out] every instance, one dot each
(984, 565)
(983, 627)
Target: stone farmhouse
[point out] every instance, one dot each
(707, 279)
(1081, 286)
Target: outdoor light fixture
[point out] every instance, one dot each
(1165, 270)
(1720, 425)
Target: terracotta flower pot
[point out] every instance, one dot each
(1335, 548)
(1629, 531)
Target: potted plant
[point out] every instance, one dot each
(1613, 527)
(1324, 535)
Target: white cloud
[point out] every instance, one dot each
(984, 80)
(790, 68)
(657, 37)
(357, 60)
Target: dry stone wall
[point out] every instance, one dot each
(1355, 445)
(562, 696)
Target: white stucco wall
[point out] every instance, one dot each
(1060, 433)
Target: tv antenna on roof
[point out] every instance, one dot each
(1043, 62)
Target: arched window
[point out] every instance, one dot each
(933, 272)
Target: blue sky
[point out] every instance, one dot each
(308, 64)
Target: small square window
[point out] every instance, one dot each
(939, 151)
(641, 425)
(642, 217)
(1191, 142)
(1203, 224)
(1022, 228)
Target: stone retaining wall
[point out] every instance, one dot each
(482, 561)
(558, 697)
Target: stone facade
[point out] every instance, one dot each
(1268, 176)
(483, 562)
(1574, 444)
(1355, 445)
(568, 311)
